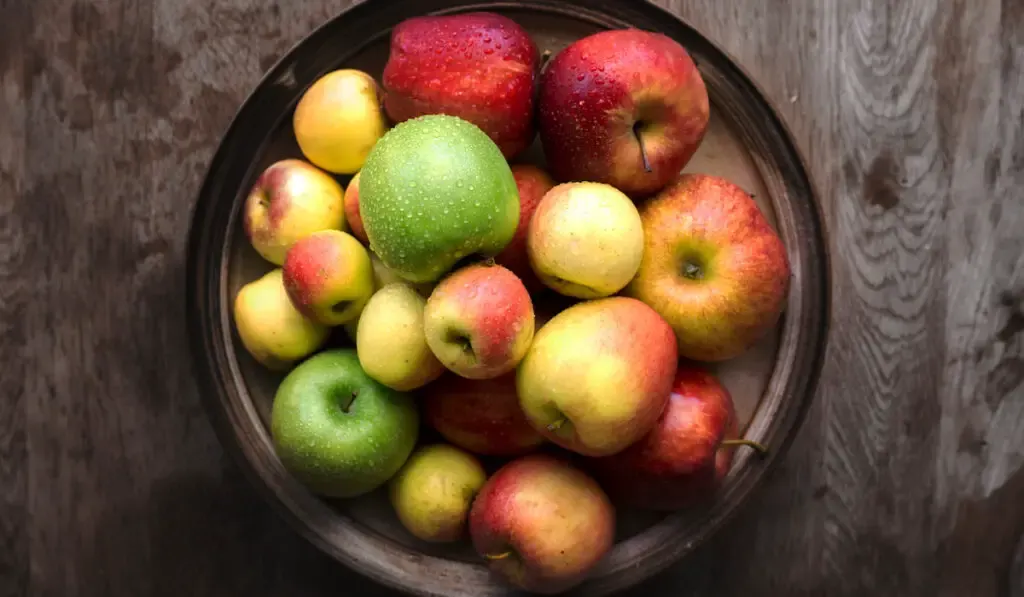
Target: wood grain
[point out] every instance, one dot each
(906, 479)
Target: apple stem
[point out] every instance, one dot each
(643, 150)
(555, 426)
(544, 57)
(760, 448)
(498, 556)
(346, 406)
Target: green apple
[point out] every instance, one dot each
(337, 430)
(433, 492)
(585, 240)
(271, 329)
(390, 340)
(329, 276)
(433, 191)
(598, 375)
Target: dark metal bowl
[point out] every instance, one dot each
(773, 385)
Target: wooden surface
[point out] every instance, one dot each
(906, 480)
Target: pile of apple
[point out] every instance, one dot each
(550, 315)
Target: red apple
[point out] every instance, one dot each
(479, 321)
(713, 267)
(482, 416)
(533, 183)
(478, 66)
(542, 524)
(624, 107)
(355, 221)
(682, 460)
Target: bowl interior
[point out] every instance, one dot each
(722, 153)
(771, 384)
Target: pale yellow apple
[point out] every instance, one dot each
(390, 340)
(585, 240)
(290, 200)
(338, 120)
(272, 330)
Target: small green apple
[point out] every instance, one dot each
(271, 329)
(337, 430)
(433, 492)
(390, 340)
(329, 276)
(435, 190)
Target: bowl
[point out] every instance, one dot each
(772, 384)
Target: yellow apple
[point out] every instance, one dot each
(290, 200)
(585, 240)
(272, 330)
(338, 120)
(390, 340)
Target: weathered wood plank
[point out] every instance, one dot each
(14, 298)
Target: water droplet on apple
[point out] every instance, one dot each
(488, 51)
(487, 39)
(497, 46)
(580, 77)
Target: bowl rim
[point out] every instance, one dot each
(396, 566)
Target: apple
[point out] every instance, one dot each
(713, 267)
(328, 276)
(683, 459)
(435, 191)
(478, 66)
(598, 375)
(291, 199)
(352, 217)
(390, 341)
(382, 276)
(585, 240)
(479, 415)
(479, 321)
(271, 329)
(542, 524)
(624, 107)
(432, 493)
(532, 183)
(338, 431)
(338, 120)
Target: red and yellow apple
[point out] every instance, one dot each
(479, 66)
(683, 459)
(328, 276)
(291, 199)
(598, 375)
(585, 240)
(533, 183)
(713, 267)
(624, 107)
(479, 415)
(542, 524)
(479, 321)
(352, 217)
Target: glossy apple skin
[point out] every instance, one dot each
(290, 200)
(602, 91)
(482, 416)
(681, 461)
(479, 321)
(542, 524)
(329, 276)
(478, 66)
(713, 267)
(352, 217)
(598, 375)
(533, 183)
